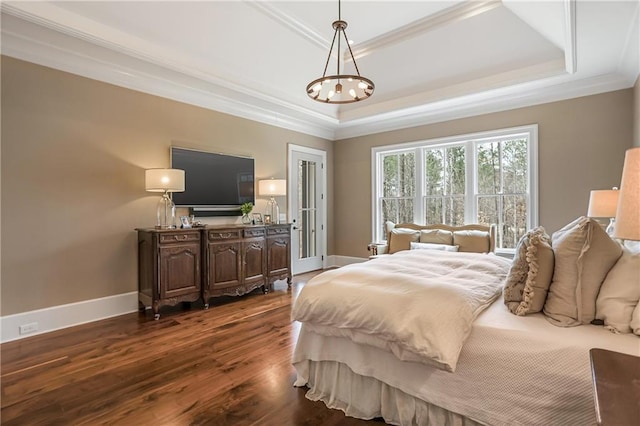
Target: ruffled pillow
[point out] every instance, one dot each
(527, 284)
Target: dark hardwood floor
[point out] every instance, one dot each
(229, 365)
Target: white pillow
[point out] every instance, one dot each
(619, 293)
(433, 246)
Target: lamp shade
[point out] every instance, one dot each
(603, 203)
(161, 180)
(628, 212)
(272, 187)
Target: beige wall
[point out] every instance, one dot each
(636, 113)
(581, 145)
(74, 152)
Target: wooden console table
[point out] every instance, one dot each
(616, 385)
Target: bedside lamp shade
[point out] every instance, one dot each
(628, 212)
(273, 188)
(165, 181)
(603, 203)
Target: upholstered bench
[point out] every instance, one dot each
(474, 238)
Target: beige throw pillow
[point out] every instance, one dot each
(436, 236)
(471, 241)
(401, 239)
(620, 293)
(584, 254)
(527, 284)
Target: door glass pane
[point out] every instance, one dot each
(307, 209)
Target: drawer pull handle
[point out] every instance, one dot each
(228, 235)
(178, 237)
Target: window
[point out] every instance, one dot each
(487, 178)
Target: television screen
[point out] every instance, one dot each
(215, 182)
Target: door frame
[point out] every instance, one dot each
(292, 168)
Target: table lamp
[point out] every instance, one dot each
(273, 188)
(603, 203)
(165, 180)
(628, 211)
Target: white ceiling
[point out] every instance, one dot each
(430, 60)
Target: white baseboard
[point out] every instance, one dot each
(337, 261)
(63, 316)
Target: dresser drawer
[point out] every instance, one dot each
(179, 237)
(280, 230)
(253, 232)
(224, 234)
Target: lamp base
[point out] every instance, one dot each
(611, 227)
(273, 210)
(166, 213)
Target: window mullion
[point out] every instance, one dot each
(419, 214)
(471, 186)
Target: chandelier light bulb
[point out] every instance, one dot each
(352, 92)
(362, 85)
(330, 94)
(338, 88)
(317, 87)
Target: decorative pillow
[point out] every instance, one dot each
(471, 241)
(436, 236)
(401, 238)
(620, 293)
(432, 246)
(584, 254)
(635, 320)
(525, 289)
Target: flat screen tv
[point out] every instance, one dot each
(215, 184)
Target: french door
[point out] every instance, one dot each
(307, 180)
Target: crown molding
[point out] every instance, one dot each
(571, 60)
(487, 102)
(448, 16)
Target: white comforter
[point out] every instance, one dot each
(418, 304)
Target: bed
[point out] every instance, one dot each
(510, 369)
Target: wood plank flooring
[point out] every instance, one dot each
(228, 365)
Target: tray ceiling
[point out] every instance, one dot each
(430, 60)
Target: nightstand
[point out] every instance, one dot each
(616, 386)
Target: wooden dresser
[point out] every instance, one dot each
(184, 265)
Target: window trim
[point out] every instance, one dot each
(472, 139)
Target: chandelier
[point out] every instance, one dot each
(340, 88)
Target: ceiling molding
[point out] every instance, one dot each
(571, 61)
(530, 94)
(290, 22)
(429, 23)
(135, 48)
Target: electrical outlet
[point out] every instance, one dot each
(28, 328)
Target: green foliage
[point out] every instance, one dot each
(501, 182)
(246, 208)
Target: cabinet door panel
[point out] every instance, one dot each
(179, 270)
(279, 255)
(254, 260)
(224, 264)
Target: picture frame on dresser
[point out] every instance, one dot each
(257, 218)
(267, 219)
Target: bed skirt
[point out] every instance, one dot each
(363, 397)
